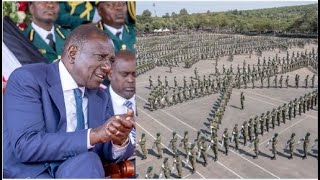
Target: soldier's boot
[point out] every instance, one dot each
(273, 157)
(290, 157)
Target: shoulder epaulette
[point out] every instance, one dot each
(60, 33)
(31, 34)
(127, 29)
(100, 25)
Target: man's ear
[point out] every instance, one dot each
(72, 52)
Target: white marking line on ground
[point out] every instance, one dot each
(186, 176)
(200, 175)
(265, 96)
(170, 131)
(255, 164)
(280, 132)
(179, 120)
(230, 170)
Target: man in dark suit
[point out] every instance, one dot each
(56, 120)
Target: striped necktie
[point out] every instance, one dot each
(129, 105)
(79, 110)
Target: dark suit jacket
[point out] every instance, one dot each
(35, 122)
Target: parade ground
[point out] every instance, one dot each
(192, 116)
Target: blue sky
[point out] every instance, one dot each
(162, 7)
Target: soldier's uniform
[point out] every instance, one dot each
(256, 146)
(283, 110)
(261, 121)
(306, 142)
(287, 81)
(142, 143)
(178, 163)
(244, 132)
(166, 168)
(158, 145)
(214, 146)
(225, 139)
(185, 141)
(149, 174)
(173, 142)
(274, 142)
(74, 13)
(242, 98)
(50, 53)
(192, 157)
(273, 118)
(290, 144)
(203, 151)
(150, 82)
(236, 136)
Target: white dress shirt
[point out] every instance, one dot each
(119, 108)
(68, 85)
(9, 61)
(114, 30)
(44, 33)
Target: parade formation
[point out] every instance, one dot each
(226, 106)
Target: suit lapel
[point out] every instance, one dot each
(56, 94)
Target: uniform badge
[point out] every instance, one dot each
(42, 51)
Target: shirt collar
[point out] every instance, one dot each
(118, 99)
(42, 32)
(67, 81)
(114, 30)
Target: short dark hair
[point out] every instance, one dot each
(82, 34)
(124, 54)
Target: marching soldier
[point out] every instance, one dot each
(203, 151)
(175, 82)
(290, 110)
(255, 126)
(287, 81)
(250, 129)
(261, 121)
(275, 81)
(290, 144)
(278, 115)
(256, 146)
(196, 72)
(242, 98)
(142, 143)
(274, 141)
(304, 102)
(306, 142)
(297, 80)
(244, 132)
(150, 82)
(185, 141)
(214, 146)
(192, 157)
(312, 80)
(225, 139)
(159, 81)
(173, 142)
(198, 140)
(283, 110)
(273, 117)
(166, 83)
(268, 81)
(267, 119)
(306, 80)
(149, 174)
(235, 136)
(295, 102)
(177, 161)
(280, 81)
(158, 145)
(165, 168)
(299, 105)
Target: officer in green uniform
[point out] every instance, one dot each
(244, 132)
(203, 151)
(142, 143)
(306, 142)
(113, 22)
(43, 33)
(158, 145)
(242, 99)
(177, 161)
(173, 142)
(256, 146)
(149, 174)
(235, 134)
(185, 142)
(165, 168)
(274, 142)
(214, 146)
(192, 157)
(290, 144)
(74, 13)
(225, 139)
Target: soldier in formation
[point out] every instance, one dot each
(158, 145)
(142, 143)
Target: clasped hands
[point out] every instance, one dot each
(115, 129)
